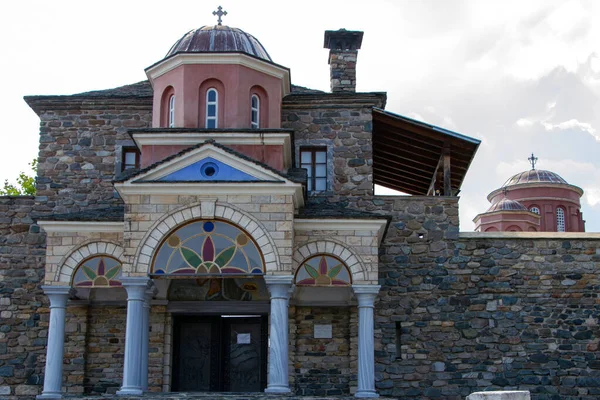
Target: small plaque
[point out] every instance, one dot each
(322, 331)
(243, 338)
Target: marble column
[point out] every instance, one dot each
(280, 288)
(148, 295)
(58, 296)
(366, 294)
(132, 366)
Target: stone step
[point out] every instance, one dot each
(212, 396)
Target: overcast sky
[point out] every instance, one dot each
(522, 76)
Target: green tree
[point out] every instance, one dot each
(25, 183)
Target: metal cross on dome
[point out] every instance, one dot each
(219, 13)
(532, 160)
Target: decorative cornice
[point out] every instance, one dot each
(520, 186)
(529, 235)
(169, 64)
(328, 224)
(213, 189)
(81, 226)
(225, 138)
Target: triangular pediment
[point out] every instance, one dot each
(208, 162)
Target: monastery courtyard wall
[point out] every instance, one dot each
(456, 313)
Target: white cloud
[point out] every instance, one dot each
(592, 195)
(524, 122)
(572, 124)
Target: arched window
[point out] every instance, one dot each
(172, 111)
(323, 270)
(212, 247)
(254, 112)
(535, 210)
(212, 108)
(560, 220)
(98, 271)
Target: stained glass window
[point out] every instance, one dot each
(208, 247)
(98, 271)
(323, 270)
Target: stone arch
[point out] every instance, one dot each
(205, 209)
(92, 247)
(331, 246)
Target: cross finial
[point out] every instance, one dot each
(533, 159)
(219, 13)
(504, 191)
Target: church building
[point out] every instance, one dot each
(215, 229)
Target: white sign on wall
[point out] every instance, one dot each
(322, 331)
(243, 338)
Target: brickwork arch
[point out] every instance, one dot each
(331, 246)
(93, 247)
(207, 210)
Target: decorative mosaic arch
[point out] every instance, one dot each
(338, 250)
(208, 247)
(323, 270)
(206, 209)
(88, 249)
(98, 271)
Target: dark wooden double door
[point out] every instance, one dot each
(219, 354)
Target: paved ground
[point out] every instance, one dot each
(212, 396)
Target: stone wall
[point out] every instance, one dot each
(105, 346)
(343, 125)
(23, 306)
(459, 314)
(322, 366)
(80, 149)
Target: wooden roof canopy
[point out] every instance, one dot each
(418, 158)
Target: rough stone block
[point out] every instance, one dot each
(501, 395)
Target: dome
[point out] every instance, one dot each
(507, 205)
(219, 38)
(534, 176)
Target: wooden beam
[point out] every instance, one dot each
(447, 171)
(431, 190)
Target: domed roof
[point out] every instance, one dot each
(219, 38)
(534, 176)
(507, 205)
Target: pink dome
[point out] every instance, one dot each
(534, 176)
(507, 205)
(219, 39)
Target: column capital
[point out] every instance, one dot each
(58, 295)
(136, 287)
(366, 294)
(279, 285)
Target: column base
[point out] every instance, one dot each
(50, 395)
(366, 394)
(132, 391)
(277, 389)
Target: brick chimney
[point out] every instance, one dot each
(343, 48)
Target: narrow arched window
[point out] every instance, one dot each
(560, 220)
(255, 112)
(535, 210)
(172, 111)
(212, 108)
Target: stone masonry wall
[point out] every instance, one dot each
(461, 314)
(343, 125)
(80, 150)
(322, 366)
(23, 306)
(105, 346)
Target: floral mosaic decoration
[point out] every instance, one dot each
(98, 271)
(208, 247)
(323, 270)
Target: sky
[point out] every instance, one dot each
(522, 76)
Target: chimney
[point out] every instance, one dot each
(343, 48)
